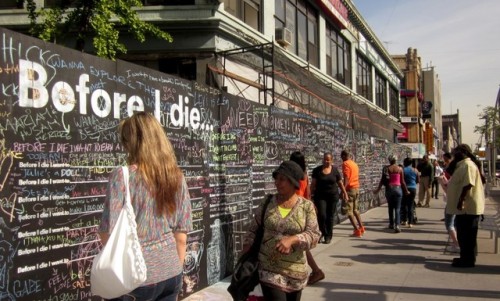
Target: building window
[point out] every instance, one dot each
(338, 56)
(246, 10)
(167, 2)
(364, 78)
(182, 67)
(9, 4)
(302, 35)
(380, 92)
(394, 103)
(60, 3)
(302, 20)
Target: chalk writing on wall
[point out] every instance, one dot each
(59, 114)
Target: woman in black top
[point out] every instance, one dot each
(326, 181)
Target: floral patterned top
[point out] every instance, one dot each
(155, 232)
(287, 272)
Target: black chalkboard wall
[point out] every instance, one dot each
(59, 110)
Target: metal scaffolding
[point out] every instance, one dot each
(280, 81)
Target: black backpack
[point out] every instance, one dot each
(246, 273)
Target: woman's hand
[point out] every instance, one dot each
(284, 246)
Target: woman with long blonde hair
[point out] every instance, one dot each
(160, 198)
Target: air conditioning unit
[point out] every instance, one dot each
(283, 36)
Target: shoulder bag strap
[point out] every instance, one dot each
(260, 231)
(125, 181)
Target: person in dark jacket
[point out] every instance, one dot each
(426, 177)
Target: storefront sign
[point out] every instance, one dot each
(337, 9)
(404, 134)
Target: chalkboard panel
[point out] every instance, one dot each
(59, 112)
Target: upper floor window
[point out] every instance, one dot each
(75, 3)
(338, 56)
(380, 92)
(301, 19)
(394, 103)
(9, 4)
(364, 78)
(246, 10)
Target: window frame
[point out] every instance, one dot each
(305, 45)
(381, 91)
(364, 77)
(338, 64)
(396, 107)
(240, 11)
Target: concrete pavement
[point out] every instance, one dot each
(411, 265)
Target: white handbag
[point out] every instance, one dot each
(120, 267)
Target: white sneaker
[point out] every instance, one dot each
(452, 249)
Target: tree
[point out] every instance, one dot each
(99, 20)
(490, 127)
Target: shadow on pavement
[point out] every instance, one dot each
(336, 291)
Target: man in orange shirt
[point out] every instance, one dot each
(350, 172)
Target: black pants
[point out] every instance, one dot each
(467, 227)
(274, 294)
(435, 184)
(327, 211)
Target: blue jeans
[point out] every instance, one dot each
(394, 195)
(166, 290)
(449, 221)
(408, 205)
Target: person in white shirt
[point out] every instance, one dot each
(438, 173)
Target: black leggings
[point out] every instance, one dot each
(275, 294)
(327, 211)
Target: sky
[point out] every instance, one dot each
(459, 38)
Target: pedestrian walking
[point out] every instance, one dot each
(350, 171)
(394, 189)
(305, 191)
(290, 228)
(426, 177)
(438, 173)
(411, 178)
(325, 185)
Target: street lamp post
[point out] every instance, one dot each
(494, 146)
(489, 157)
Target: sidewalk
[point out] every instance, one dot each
(411, 265)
